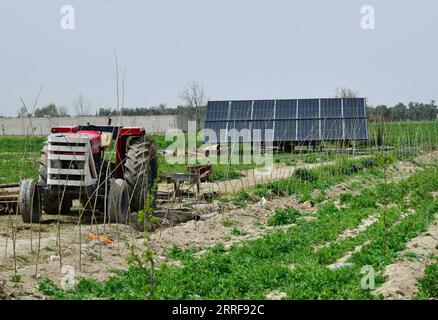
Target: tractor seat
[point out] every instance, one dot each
(105, 139)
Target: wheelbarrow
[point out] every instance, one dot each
(179, 178)
(204, 171)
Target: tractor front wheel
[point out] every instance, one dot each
(118, 201)
(29, 201)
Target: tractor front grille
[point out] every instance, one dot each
(70, 161)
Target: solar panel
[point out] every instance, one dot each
(217, 111)
(285, 130)
(301, 120)
(239, 124)
(308, 109)
(240, 110)
(331, 129)
(239, 133)
(263, 110)
(331, 108)
(260, 129)
(308, 130)
(355, 129)
(354, 108)
(217, 127)
(286, 109)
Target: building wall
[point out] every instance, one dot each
(42, 126)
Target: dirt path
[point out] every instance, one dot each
(252, 177)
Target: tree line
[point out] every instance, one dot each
(194, 100)
(413, 111)
(161, 110)
(50, 110)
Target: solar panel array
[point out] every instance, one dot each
(300, 120)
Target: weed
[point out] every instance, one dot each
(95, 257)
(23, 259)
(283, 217)
(227, 222)
(310, 158)
(237, 232)
(410, 255)
(257, 224)
(428, 285)
(305, 175)
(345, 197)
(49, 288)
(368, 163)
(16, 278)
(241, 198)
(176, 253)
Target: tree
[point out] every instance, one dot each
(383, 113)
(22, 112)
(48, 111)
(63, 111)
(345, 92)
(162, 107)
(82, 105)
(400, 112)
(193, 96)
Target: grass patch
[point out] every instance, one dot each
(238, 232)
(227, 222)
(284, 216)
(428, 285)
(16, 278)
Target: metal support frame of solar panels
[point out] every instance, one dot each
(293, 120)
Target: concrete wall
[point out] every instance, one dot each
(42, 126)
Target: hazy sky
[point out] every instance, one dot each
(238, 49)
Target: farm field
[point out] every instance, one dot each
(219, 159)
(21, 152)
(322, 226)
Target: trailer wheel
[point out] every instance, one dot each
(141, 168)
(29, 202)
(118, 201)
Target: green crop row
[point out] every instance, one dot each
(304, 181)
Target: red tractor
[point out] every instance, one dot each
(75, 166)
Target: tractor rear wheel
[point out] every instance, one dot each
(141, 168)
(51, 201)
(118, 201)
